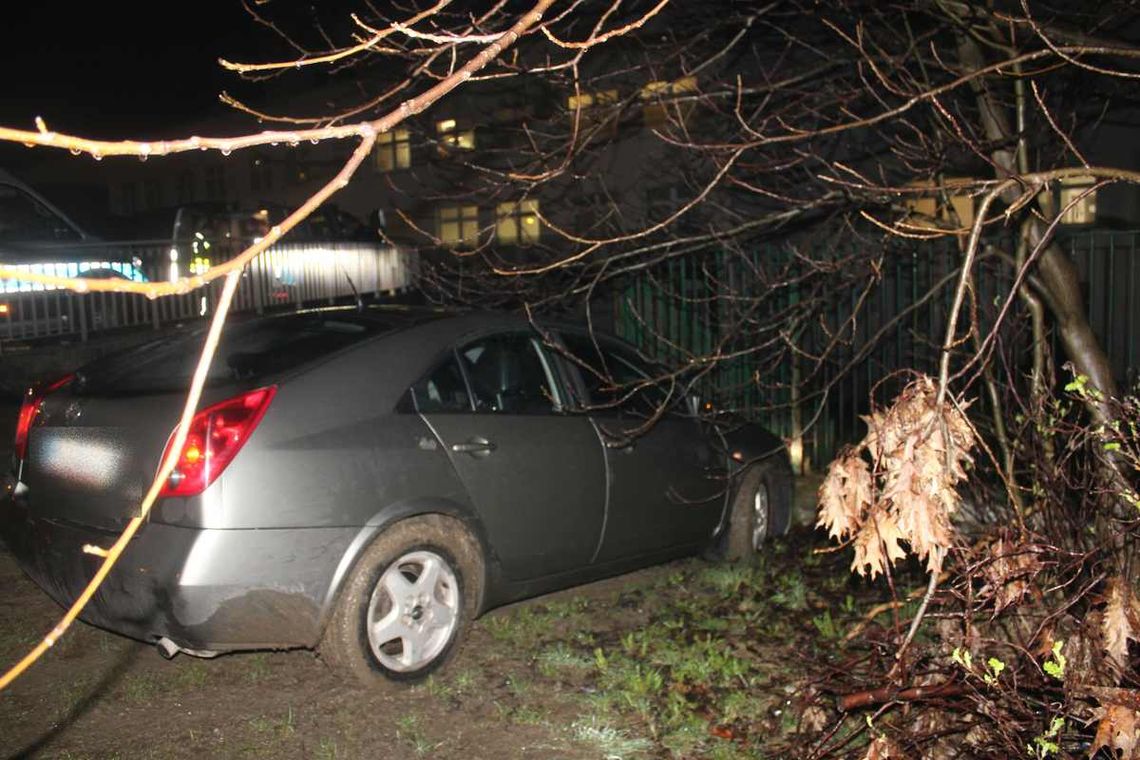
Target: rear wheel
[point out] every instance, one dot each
(405, 609)
(761, 507)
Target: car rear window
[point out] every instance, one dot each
(248, 352)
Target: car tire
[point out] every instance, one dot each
(405, 609)
(761, 507)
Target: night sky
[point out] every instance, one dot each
(123, 69)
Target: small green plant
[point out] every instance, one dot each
(465, 681)
(258, 666)
(280, 727)
(521, 627)
(140, 687)
(438, 688)
(192, 674)
(989, 672)
(600, 661)
(555, 660)
(327, 749)
(568, 608)
(726, 579)
(686, 738)
(826, 626)
(994, 667)
(1046, 744)
(1055, 666)
(529, 716)
(1079, 386)
(408, 730)
(738, 705)
(792, 592)
(518, 686)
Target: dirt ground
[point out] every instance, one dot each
(689, 659)
(98, 695)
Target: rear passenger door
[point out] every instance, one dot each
(535, 474)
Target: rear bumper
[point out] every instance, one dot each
(212, 590)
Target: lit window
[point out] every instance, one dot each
(929, 209)
(393, 150)
(458, 225)
(512, 114)
(1082, 211)
(657, 112)
(586, 100)
(451, 138)
(517, 223)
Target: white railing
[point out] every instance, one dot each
(288, 275)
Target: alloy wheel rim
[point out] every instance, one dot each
(413, 612)
(759, 516)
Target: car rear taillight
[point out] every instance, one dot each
(33, 400)
(216, 435)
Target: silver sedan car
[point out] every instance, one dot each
(367, 481)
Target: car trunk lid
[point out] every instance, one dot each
(90, 460)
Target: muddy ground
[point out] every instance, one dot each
(685, 660)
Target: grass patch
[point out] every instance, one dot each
(730, 578)
(560, 659)
(279, 728)
(613, 743)
(327, 749)
(523, 627)
(258, 665)
(529, 715)
(708, 669)
(411, 732)
(140, 687)
(191, 675)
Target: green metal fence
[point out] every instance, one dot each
(769, 332)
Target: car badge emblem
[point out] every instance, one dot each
(73, 411)
(427, 444)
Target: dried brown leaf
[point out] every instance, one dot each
(924, 523)
(880, 532)
(1121, 617)
(845, 494)
(882, 748)
(1008, 572)
(814, 719)
(1119, 731)
(920, 451)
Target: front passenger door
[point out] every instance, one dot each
(666, 482)
(536, 475)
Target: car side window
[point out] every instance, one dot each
(442, 390)
(508, 375)
(614, 378)
(24, 219)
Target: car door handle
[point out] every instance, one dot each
(474, 447)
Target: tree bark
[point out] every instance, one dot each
(1054, 270)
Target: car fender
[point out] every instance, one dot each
(748, 443)
(392, 514)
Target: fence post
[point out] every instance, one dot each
(82, 317)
